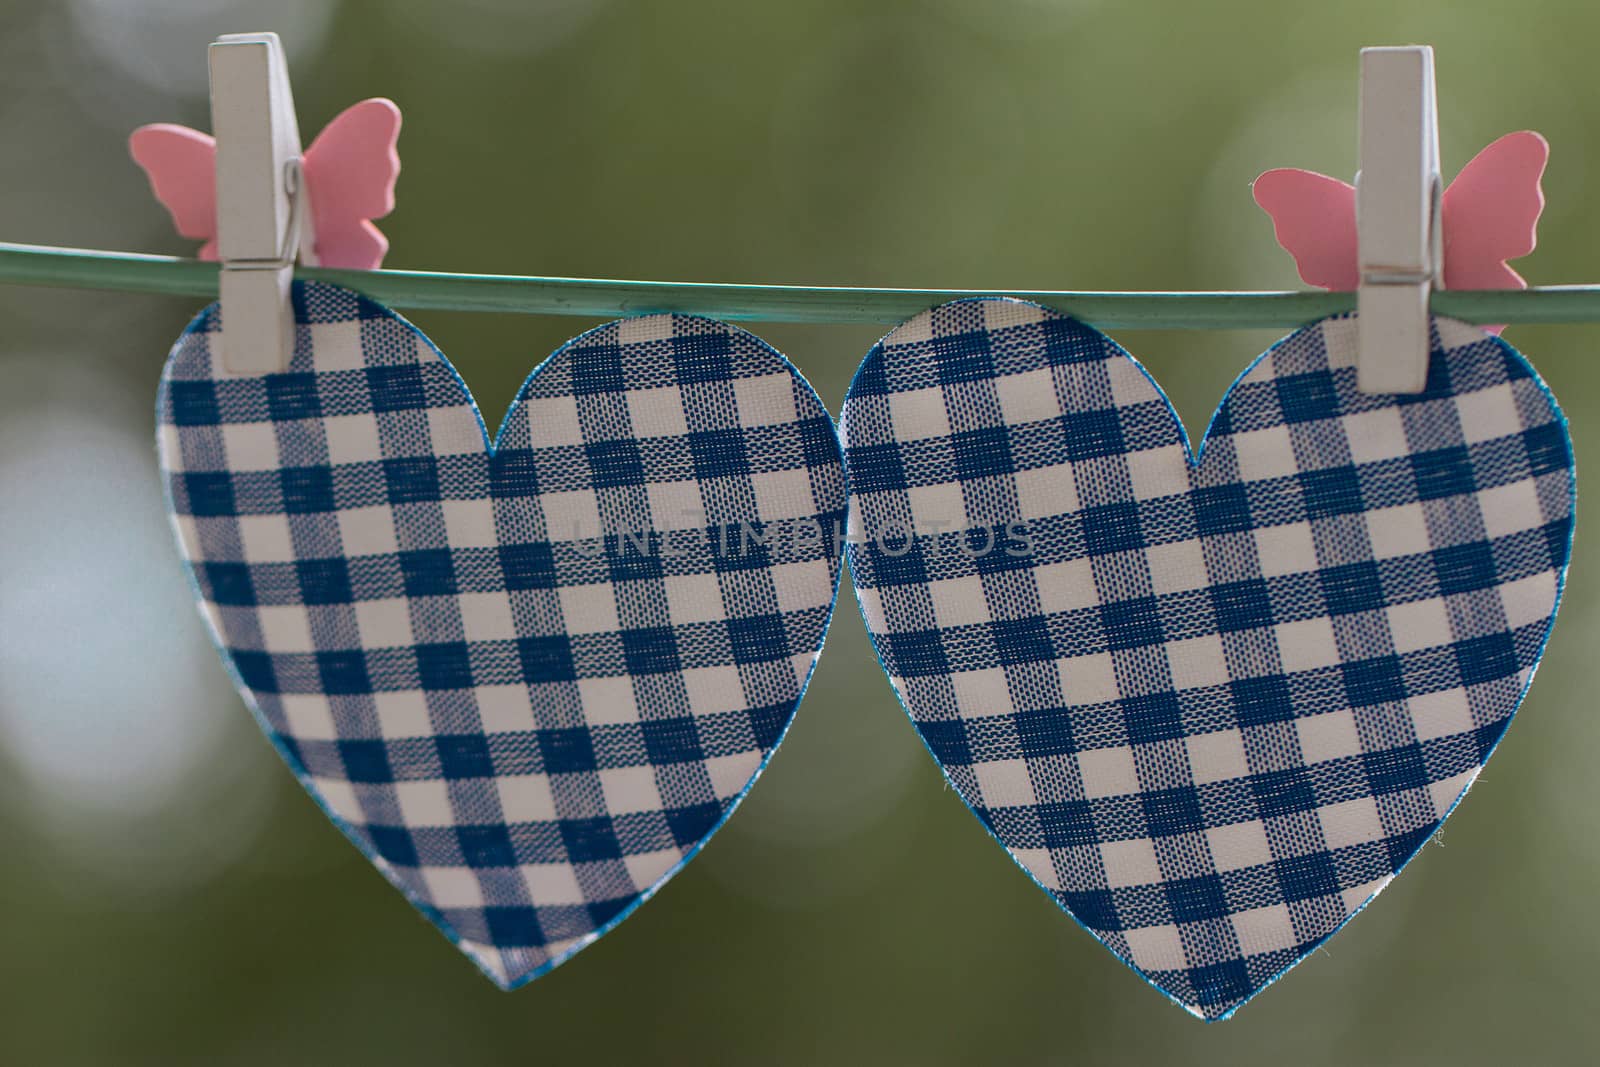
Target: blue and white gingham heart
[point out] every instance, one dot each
(529, 682)
(1212, 704)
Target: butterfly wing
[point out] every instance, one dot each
(350, 172)
(1314, 219)
(182, 167)
(1491, 213)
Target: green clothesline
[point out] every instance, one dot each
(78, 268)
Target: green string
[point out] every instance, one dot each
(78, 268)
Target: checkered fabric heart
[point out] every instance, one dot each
(1212, 705)
(528, 682)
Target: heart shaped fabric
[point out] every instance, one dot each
(528, 681)
(1211, 704)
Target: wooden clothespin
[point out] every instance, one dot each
(1399, 237)
(262, 221)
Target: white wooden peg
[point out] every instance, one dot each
(261, 218)
(1397, 217)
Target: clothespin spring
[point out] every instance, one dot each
(1432, 273)
(289, 246)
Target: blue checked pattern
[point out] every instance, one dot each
(529, 683)
(1212, 705)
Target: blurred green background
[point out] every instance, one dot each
(169, 896)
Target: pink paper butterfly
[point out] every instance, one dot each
(349, 172)
(1490, 214)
